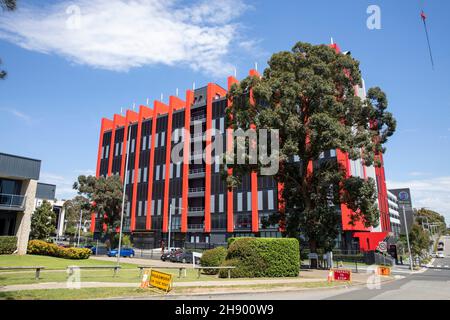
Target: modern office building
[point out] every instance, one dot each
(18, 185)
(47, 192)
(394, 214)
(204, 211)
(404, 202)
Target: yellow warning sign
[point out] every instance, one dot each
(161, 280)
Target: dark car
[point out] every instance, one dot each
(182, 257)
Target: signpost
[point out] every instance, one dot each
(342, 275)
(160, 280)
(382, 247)
(384, 271)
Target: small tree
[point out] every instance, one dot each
(104, 196)
(419, 240)
(43, 222)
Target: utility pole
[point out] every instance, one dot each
(127, 152)
(170, 224)
(407, 239)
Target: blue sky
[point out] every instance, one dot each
(68, 68)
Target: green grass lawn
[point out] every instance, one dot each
(103, 293)
(51, 263)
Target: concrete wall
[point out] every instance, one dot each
(23, 222)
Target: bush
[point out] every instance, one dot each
(213, 258)
(8, 245)
(263, 257)
(42, 248)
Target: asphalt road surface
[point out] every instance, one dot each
(432, 284)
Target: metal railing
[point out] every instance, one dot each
(194, 209)
(195, 171)
(196, 226)
(12, 201)
(198, 117)
(200, 189)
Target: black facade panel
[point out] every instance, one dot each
(17, 167)
(46, 191)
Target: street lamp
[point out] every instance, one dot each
(407, 239)
(170, 222)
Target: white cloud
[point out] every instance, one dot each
(18, 114)
(418, 173)
(431, 193)
(120, 35)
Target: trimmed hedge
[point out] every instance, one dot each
(42, 248)
(263, 257)
(8, 245)
(213, 258)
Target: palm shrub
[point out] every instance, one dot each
(263, 257)
(213, 258)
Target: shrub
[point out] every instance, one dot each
(213, 258)
(42, 248)
(263, 257)
(8, 245)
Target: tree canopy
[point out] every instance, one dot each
(104, 197)
(309, 94)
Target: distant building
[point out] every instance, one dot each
(404, 201)
(18, 184)
(47, 192)
(394, 214)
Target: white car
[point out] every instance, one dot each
(440, 254)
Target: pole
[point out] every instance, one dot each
(124, 194)
(170, 224)
(79, 227)
(407, 239)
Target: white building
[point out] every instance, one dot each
(47, 192)
(394, 214)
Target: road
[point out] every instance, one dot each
(432, 284)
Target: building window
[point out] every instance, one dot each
(222, 125)
(213, 205)
(156, 140)
(163, 172)
(139, 208)
(116, 151)
(171, 171)
(239, 202)
(178, 170)
(107, 152)
(144, 143)
(163, 138)
(152, 210)
(270, 200)
(145, 174)
(249, 201)
(221, 203)
(145, 208)
(157, 173)
(103, 153)
(260, 200)
(159, 207)
(333, 153)
(133, 145)
(128, 209)
(217, 164)
(121, 148)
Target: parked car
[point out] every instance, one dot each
(440, 255)
(183, 257)
(124, 252)
(168, 253)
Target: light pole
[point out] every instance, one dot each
(127, 152)
(170, 223)
(407, 239)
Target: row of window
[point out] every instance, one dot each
(270, 201)
(160, 139)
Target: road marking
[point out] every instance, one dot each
(438, 266)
